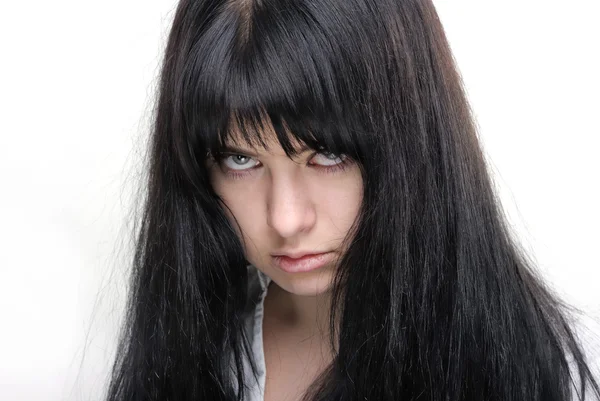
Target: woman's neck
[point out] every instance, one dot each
(306, 315)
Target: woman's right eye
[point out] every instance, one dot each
(238, 162)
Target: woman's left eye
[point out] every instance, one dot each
(328, 159)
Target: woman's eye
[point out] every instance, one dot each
(239, 162)
(327, 159)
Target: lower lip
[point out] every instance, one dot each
(303, 264)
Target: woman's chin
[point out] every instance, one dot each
(307, 284)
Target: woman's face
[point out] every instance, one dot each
(283, 206)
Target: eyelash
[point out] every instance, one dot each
(242, 173)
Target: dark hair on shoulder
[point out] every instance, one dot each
(438, 300)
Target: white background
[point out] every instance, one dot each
(76, 83)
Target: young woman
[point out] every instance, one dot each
(319, 222)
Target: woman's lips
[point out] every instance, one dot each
(303, 264)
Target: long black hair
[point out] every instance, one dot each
(435, 298)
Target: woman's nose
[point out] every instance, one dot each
(290, 210)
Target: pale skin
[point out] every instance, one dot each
(306, 203)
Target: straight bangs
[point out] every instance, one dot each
(263, 72)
